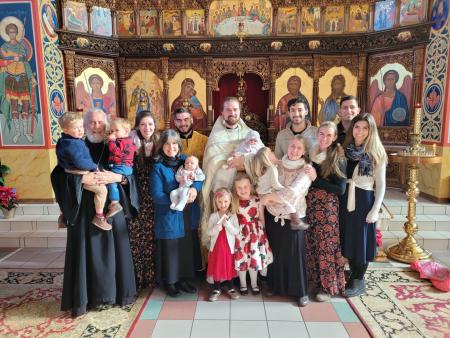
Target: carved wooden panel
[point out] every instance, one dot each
(406, 58)
(394, 175)
(394, 135)
(350, 62)
(241, 66)
(83, 62)
(280, 65)
(92, 44)
(148, 4)
(176, 65)
(125, 5)
(332, 2)
(129, 66)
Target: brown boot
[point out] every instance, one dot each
(62, 222)
(113, 209)
(297, 223)
(101, 223)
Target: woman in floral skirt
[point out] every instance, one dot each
(140, 229)
(323, 252)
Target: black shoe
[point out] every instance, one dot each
(349, 280)
(172, 290)
(357, 287)
(186, 287)
(303, 301)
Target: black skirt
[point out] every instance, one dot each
(359, 238)
(287, 273)
(175, 258)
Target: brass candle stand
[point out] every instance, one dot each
(407, 250)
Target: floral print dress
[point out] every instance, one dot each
(252, 250)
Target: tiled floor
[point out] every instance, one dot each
(250, 316)
(193, 316)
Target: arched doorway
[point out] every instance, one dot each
(257, 99)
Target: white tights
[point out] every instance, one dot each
(253, 278)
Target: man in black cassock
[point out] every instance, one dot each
(98, 267)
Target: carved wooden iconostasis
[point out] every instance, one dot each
(132, 55)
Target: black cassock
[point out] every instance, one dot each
(98, 266)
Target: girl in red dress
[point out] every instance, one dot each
(252, 250)
(223, 227)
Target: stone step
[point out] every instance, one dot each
(33, 239)
(27, 223)
(424, 222)
(431, 240)
(37, 209)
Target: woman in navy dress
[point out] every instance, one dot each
(174, 246)
(366, 185)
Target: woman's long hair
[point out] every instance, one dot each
(372, 145)
(155, 136)
(261, 162)
(330, 166)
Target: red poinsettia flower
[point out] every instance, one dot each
(8, 198)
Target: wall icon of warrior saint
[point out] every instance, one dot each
(91, 93)
(294, 84)
(389, 95)
(19, 101)
(188, 97)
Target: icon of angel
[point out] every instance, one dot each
(390, 102)
(94, 97)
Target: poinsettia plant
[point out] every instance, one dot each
(8, 198)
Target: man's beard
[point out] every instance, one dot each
(95, 138)
(185, 134)
(233, 122)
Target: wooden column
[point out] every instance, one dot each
(361, 90)
(372, 17)
(61, 16)
(165, 73)
(275, 21)
(206, 21)
(89, 15)
(114, 22)
(270, 123)
(122, 86)
(417, 78)
(69, 61)
(397, 13)
(209, 99)
(315, 103)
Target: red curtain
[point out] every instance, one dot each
(257, 99)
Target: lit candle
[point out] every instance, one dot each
(417, 119)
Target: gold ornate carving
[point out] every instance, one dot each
(350, 62)
(205, 47)
(147, 4)
(314, 44)
(129, 66)
(394, 135)
(404, 36)
(406, 58)
(303, 62)
(168, 47)
(276, 45)
(176, 65)
(241, 66)
(83, 62)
